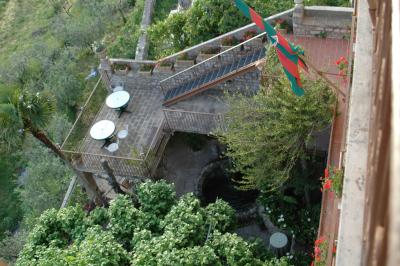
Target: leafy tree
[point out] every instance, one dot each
(23, 111)
(71, 237)
(124, 44)
(10, 210)
(269, 132)
(63, 82)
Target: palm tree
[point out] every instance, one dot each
(22, 111)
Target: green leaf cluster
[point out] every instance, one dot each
(269, 132)
(188, 234)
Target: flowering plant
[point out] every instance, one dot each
(249, 34)
(229, 41)
(333, 180)
(320, 252)
(342, 64)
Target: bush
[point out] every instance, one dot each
(68, 237)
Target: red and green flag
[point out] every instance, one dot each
(288, 54)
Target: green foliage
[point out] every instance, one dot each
(156, 198)
(12, 245)
(44, 181)
(327, 3)
(98, 248)
(70, 237)
(233, 250)
(162, 9)
(186, 221)
(268, 133)
(123, 219)
(220, 215)
(10, 210)
(124, 45)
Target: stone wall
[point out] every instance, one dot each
(322, 21)
(143, 44)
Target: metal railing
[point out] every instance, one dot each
(86, 159)
(194, 122)
(223, 58)
(122, 166)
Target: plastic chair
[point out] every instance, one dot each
(123, 133)
(113, 147)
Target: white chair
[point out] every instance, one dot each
(118, 88)
(123, 133)
(113, 147)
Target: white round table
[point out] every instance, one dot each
(278, 240)
(117, 99)
(102, 130)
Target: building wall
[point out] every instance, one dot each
(323, 21)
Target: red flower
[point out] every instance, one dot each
(334, 250)
(337, 62)
(312, 263)
(327, 184)
(317, 251)
(326, 173)
(319, 241)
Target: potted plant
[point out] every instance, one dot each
(208, 52)
(253, 43)
(146, 69)
(228, 42)
(249, 34)
(121, 68)
(165, 66)
(283, 26)
(99, 48)
(183, 60)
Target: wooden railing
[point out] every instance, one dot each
(194, 122)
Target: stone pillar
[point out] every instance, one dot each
(106, 72)
(298, 14)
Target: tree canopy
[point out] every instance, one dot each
(269, 132)
(158, 230)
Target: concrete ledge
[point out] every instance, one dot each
(349, 251)
(326, 21)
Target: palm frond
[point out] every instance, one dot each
(36, 109)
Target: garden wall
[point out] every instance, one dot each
(143, 45)
(323, 21)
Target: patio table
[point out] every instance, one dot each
(118, 100)
(102, 130)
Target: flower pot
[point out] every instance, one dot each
(225, 47)
(165, 69)
(145, 72)
(202, 57)
(283, 31)
(184, 63)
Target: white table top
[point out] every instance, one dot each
(102, 130)
(117, 99)
(278, 240)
